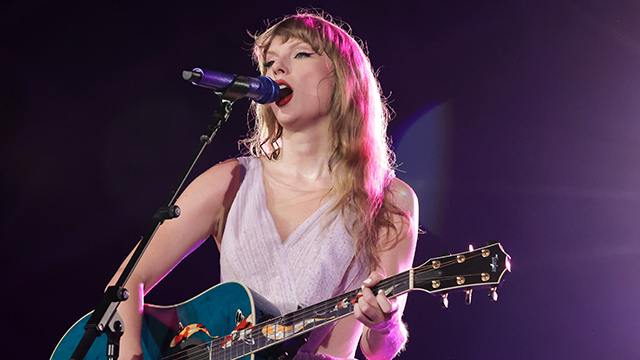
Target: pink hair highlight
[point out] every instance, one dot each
(361, 163)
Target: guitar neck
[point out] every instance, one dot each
(343, 305)
(481, 267)
(255, 338)
(166, 338)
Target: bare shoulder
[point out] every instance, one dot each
(398, 252)
(404, 197)
(217, 180)
(217, 186)
(224, 170)
(205, 202)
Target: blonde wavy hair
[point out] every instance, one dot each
(361, 163)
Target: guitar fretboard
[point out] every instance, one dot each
(484, 266)
(253, 338)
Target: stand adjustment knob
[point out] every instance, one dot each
(166, 213)
(122, 294)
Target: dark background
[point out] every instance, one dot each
(515, 121)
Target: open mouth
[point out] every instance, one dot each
(286, 93)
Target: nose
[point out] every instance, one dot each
(279, 67)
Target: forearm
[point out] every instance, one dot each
(384, 343)
(131, 313)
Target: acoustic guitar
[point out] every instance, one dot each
(230, 321)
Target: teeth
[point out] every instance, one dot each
(285, 91)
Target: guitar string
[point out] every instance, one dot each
(220, 350)
(324, 306)
(302, 314)
(216, 344)
(217, 350)
(305, 313)
(204, 351)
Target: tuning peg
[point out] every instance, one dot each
(444, 300)
(467, 296)
(493, 294)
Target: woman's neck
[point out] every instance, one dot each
(305, 155)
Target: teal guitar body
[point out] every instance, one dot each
(212, 315)
(232, 322)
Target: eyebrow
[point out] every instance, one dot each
(269, 52)
(294, 42)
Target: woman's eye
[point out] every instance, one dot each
(302, 54)
(268, 64)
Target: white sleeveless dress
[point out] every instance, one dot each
(315, 262)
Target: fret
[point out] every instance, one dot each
(482, 267)
(411, 279)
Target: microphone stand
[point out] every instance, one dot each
(105, 318)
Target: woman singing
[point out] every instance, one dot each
(313, 209)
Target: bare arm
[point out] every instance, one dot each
(384, 334)
(203, 207)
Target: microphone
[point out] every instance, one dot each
(262, 89)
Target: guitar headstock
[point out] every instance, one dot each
(464, 271)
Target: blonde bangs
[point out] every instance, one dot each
(309, 30)
(361, 162)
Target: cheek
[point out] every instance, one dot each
(326, 85)
(329, 65)
(325, 90)
(327, 81)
